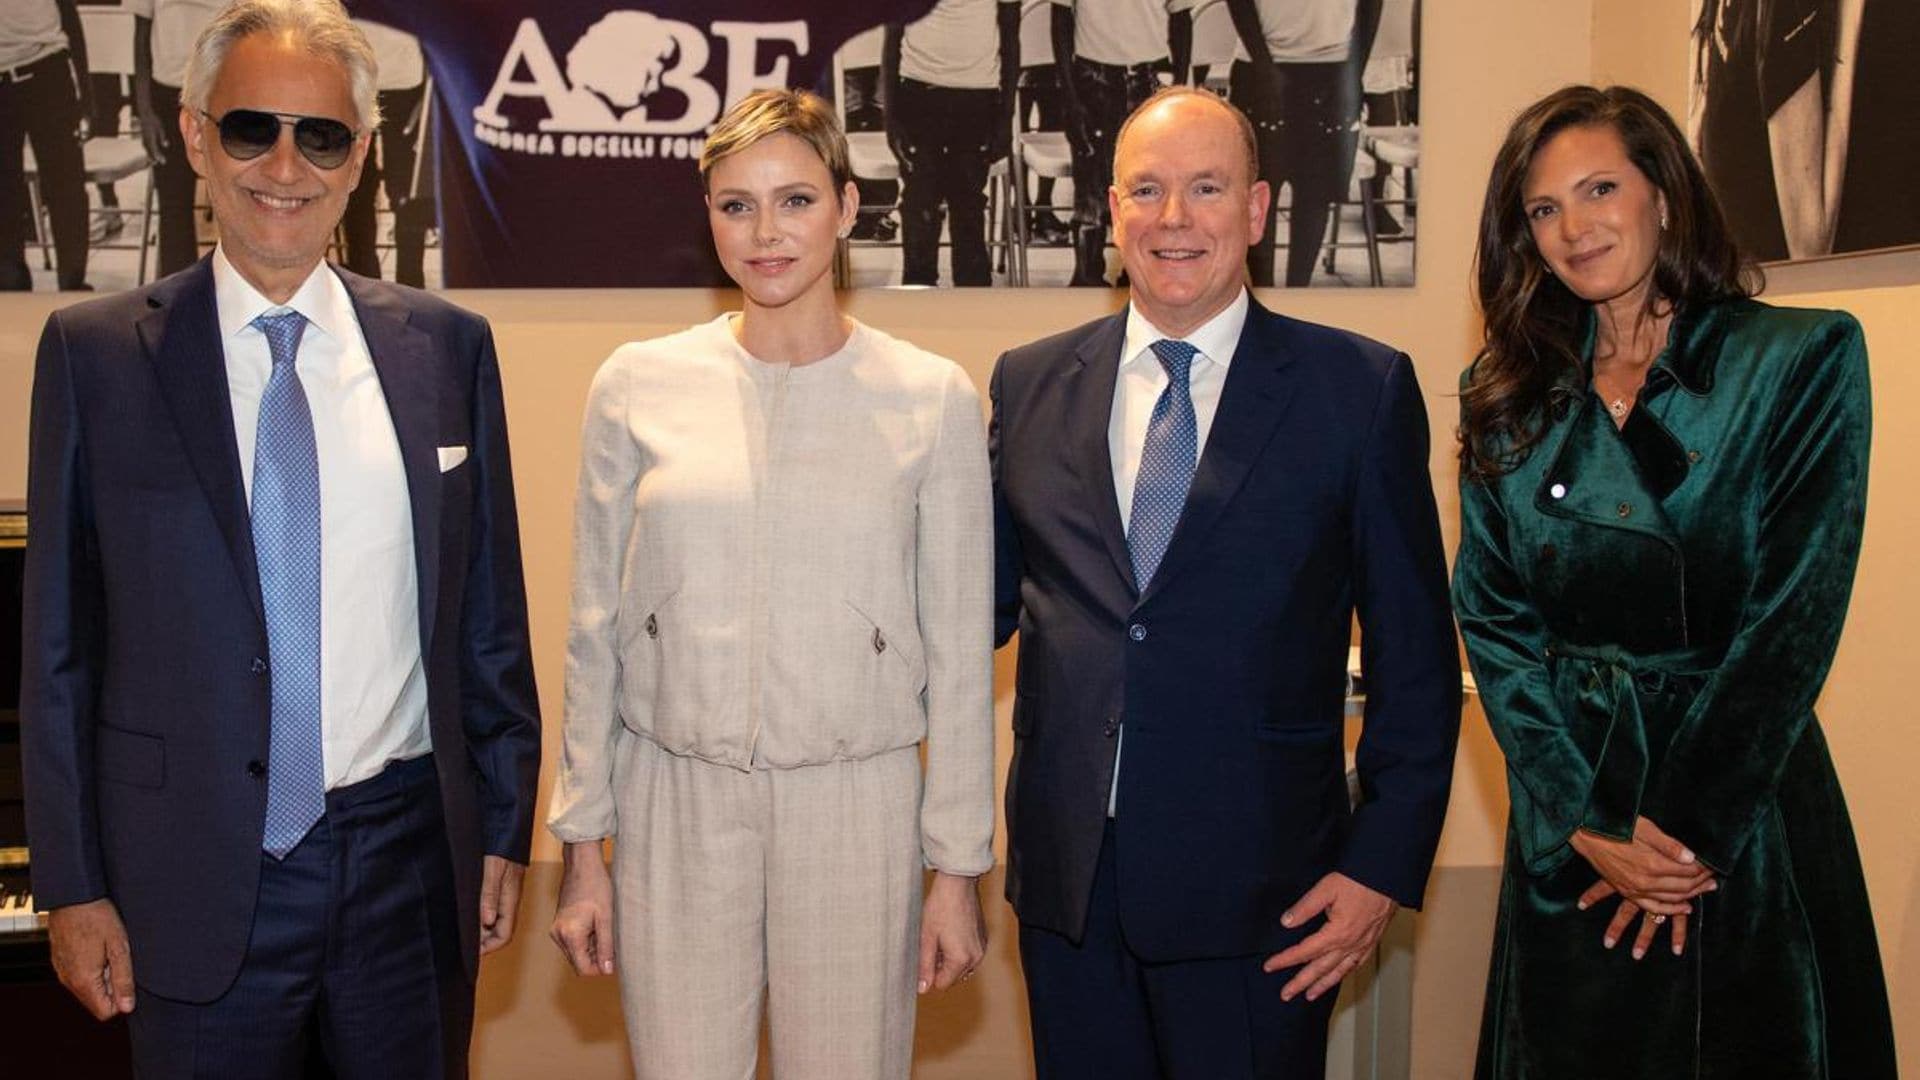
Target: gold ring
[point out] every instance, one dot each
(1658, 919)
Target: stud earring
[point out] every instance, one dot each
(1663, 219)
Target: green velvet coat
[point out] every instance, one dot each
(1650, 613)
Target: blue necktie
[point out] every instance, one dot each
(1166, 464)
(286, 547)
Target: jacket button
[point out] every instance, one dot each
(653, 627)
(879, 642)
(259, 666)
(1558, 491)
(1137, 632)
(256, 769)
(1111, 727)
(1624, 510)
(1693, 456)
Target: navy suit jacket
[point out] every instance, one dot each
(144, 691)
(1311, 503)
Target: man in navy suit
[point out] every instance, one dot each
(1194, 498)
(279, 721)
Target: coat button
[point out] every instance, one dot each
(1137, 632)
(1558, 491)
(1624, 510)
(259, 666)
(1111, 727)
(653, 627)
(1693, 456)
(879, 642)
(256, 769)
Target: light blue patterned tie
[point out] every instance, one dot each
(1166, 464)
(286, 546)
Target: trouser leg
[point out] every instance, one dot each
(173, 182)
(1319, 138)
(843, 918)
(397, 158)
(51, 102)
(690, 912)
(923, 145)
(14, 221)
(975, 114)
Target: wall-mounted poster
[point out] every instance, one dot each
(555, 143)
(1803, 113)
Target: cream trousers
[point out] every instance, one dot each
(799, 887)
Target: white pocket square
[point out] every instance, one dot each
(451, 456)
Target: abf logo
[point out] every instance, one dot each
(603, 104)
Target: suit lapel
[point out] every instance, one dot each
(1089, 411)
(1258, 386)
(402, 357)
(181, 335)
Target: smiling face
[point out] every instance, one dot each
(1185, 208)
(1594, 216)
(776, 220)
(276, 211)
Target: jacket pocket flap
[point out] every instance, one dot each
(130, 757)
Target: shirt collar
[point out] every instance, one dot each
(322, 298)
(1216, 339)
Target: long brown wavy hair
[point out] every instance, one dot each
(1531, 351)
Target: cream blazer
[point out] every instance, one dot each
(776, 567)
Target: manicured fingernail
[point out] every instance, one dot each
(1714, 885)
(1638, 952)
(1610, 941)
(1583, 905)
(1286, 920)
(1686, 856)
(606, 967)
(923, 986)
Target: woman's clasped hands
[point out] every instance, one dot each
(1656, 878)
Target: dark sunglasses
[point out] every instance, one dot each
(245, 134)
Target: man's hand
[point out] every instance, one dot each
(499, 901)
(583, 921)
(153, 134)
(1655, 871)
(1356, 917)
(953, 933)
(90, 954)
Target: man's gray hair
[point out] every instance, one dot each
(1168, 93)
(320, 26)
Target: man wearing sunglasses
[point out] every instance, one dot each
(280, 728)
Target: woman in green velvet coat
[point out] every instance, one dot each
(1663, 489)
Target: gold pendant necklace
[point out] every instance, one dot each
(1618, 407)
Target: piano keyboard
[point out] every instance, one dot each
(17, 913)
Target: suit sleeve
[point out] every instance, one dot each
(1549, 776)
(500, 708)
(62, 641)
(1007, 563)
(603, 524)
(1405, 756)
(954, 588)
(1727, 758)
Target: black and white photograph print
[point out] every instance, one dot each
(555, 143)
(1803, 113)
(982, 134)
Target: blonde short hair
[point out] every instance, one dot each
(798, 113)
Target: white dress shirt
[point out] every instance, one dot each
(1143, 377)
(373, 685)
(1141, 381)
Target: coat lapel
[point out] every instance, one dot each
(1592, 477)
(181, 334)
(1089, 411)
(1259, 385)
(403, 359)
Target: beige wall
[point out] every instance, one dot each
(1484, 59)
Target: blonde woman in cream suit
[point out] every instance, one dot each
(781, 596)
